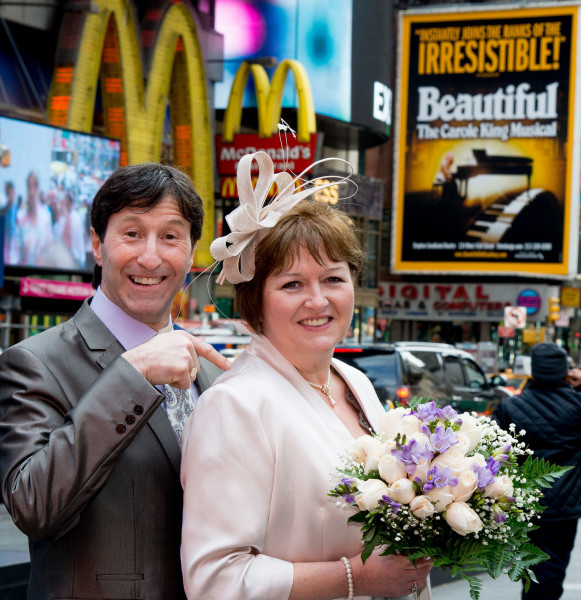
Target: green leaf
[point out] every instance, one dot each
(475, 587)
(541, 473)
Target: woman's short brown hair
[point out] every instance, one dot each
(311, 225)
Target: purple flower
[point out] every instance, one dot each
(411, 455)
(448, 413)
(439, 479)
(501, 454)
(346, 490)
(386, 500)
(493, 465)
(499, 514)
(427, 411)
(442, 439)
(484, 476)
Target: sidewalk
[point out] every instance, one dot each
(504, 589)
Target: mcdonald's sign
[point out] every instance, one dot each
(231, 145)
(105, 49)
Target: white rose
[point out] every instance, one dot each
(388, 421)
(421, 439)
(421, 507)
(478, 460)
(472, 429)
(500, 486)
(391, 469)
(467, 484)
(421, 471)
(367, 451)
(462, 519)
(408, 426)
(463, 442)
(440, 497)
(389, 446)
(370, 493)
(402, 491)
(453, 458)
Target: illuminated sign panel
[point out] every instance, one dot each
(487, 151)
(106, 46)
(286, 152)
(343, 48)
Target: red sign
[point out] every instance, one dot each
(286, 153)
(505, 332)
(61, 290)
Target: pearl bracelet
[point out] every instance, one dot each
(349, 572)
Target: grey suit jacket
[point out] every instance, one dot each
(89, 466)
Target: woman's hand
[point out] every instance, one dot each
(388, 575)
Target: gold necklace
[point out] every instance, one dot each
(325, 389)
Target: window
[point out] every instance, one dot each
(454, 371)
(422, 371)
(474, 375)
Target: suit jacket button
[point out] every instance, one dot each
(138, 409)
(121, 428)
(130, 419)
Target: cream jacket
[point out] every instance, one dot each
(256, 475)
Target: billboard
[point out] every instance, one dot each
(101, 51)
(346, 53)
(487, 149)
(48, 179)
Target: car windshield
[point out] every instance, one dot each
(380, 367)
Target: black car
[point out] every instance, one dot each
(402, 370)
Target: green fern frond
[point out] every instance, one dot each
(498, 560)
(527, 556)
(475, 587)
(541, 472)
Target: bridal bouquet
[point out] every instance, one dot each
(451, 486)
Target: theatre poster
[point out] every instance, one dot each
(487, 142)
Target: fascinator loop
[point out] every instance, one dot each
(251, 221)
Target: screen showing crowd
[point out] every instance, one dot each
(48, 179)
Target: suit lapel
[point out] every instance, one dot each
(161, 427)
(98, 337)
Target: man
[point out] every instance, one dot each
(89, 461)
(549, 410)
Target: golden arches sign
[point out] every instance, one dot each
(269, 100)
(108, 46)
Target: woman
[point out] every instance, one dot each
(259, 456)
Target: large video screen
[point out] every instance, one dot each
(48, 179)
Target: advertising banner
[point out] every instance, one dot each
(60, 290)
(462, 301)
(487, 154)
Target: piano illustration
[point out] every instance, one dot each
(531, 215)
(492, 165)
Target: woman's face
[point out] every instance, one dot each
(308, 308)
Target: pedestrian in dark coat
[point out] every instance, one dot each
(549, 410)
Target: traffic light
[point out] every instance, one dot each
(554, 310)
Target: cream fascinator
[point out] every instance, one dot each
(250, 221)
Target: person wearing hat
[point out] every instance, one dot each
(549, 410)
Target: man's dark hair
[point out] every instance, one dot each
(145, 186)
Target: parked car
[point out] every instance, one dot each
(402, 370)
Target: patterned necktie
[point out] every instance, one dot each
(179, 405)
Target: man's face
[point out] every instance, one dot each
(145, 257)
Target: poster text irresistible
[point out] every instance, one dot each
(485, 141)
